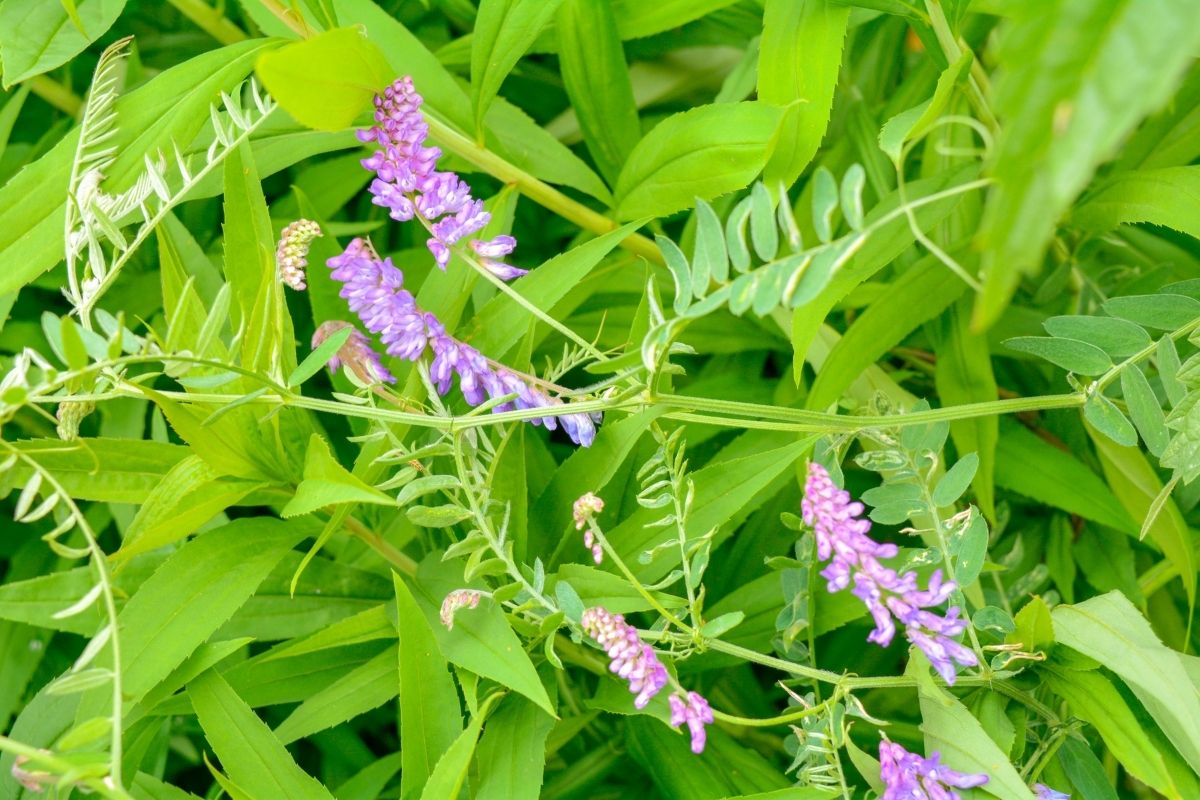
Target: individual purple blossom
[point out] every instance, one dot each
(374, 290)
(1044, 792)
(908, 776)
(407, 182)
(586, 507)
(291, 254)
(629, 657)
(842, 539)
(357, 353)
(695, 711)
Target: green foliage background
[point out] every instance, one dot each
(948, 248)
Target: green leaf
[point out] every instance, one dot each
(430, 718)
(1078, 77)
(703, 152)
(914, 123)
(798, 62)
(1110, 630)
(710, 261)
(436, 516)
(254, 758)
(449, 774)
(681, 273)
(1144, 409)
(596, 77)
(36, 36)
(924, 290)
(1163, 311)
(101, 469)
(512, 752)
(1085, 771)
(326, 482)
(951, 730)
(851, 195)
(325, 81)
(954, 483)
(318, 358)
(194, 592)
(1029, 465)
(1136, 484)
(1168, 196)
(1094, 699)
(764, 232)
(1105, 417)
(504, 30)
(1117, 337)
(1070, 354)
(187, 497)
(824, 203)
(482, 641)
(366, 687)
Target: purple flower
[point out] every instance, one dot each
(291, 254)
(374, 290)
(407, 182)
(1044, 792)
(629, 657)
(695, 711)
(842, 539)
(907, 776)
(356, 353)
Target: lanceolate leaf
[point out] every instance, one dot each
(504, 30)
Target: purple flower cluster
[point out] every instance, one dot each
(635, 661)
(695, 711)
(374, 289)
(842, 536)
(356, 353)
(1044, 792)
(629, 657)
(907, 776)
(408, 184)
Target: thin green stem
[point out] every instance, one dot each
(210, 20)
(56, 94)
(100, 560)
(781, 719)
(633, 580)
(953, 50)
(61, 766)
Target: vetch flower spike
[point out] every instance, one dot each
(408, 184)
(695, 711)
(842, 539)
(586, 507)
(908, 776)
(374, 289)
(357, 353)
(629, 657)
(291, 254)
(459, 598)
(1044, 792)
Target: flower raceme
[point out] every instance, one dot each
(635, 661)
(908, 776)
(291, 254)
(408, 184)
(842, 539)
(374, 290)
(356, 353)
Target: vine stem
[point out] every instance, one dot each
(61, 766)
(633, 581)
(210, 20)
(100, 559)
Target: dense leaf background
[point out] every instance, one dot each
(946, 248)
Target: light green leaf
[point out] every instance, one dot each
(951, 730)
(104, 470)
(504, 30)
(1169, 196)
(798, 62)
(512, 752)
(1145, 409)
(596, 77)
(1163, 311)
(1079, 75)
(703, 152)
(363, 689)
(326, 482)
(1094, 699)
(326, 81)
(430, 718)
(318, 358)
(915, 122)
(1117, 337)
(1070, 354)
(951, 486)
(449, 774)
(254, 758)
(37, 35)
(1110, 630)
